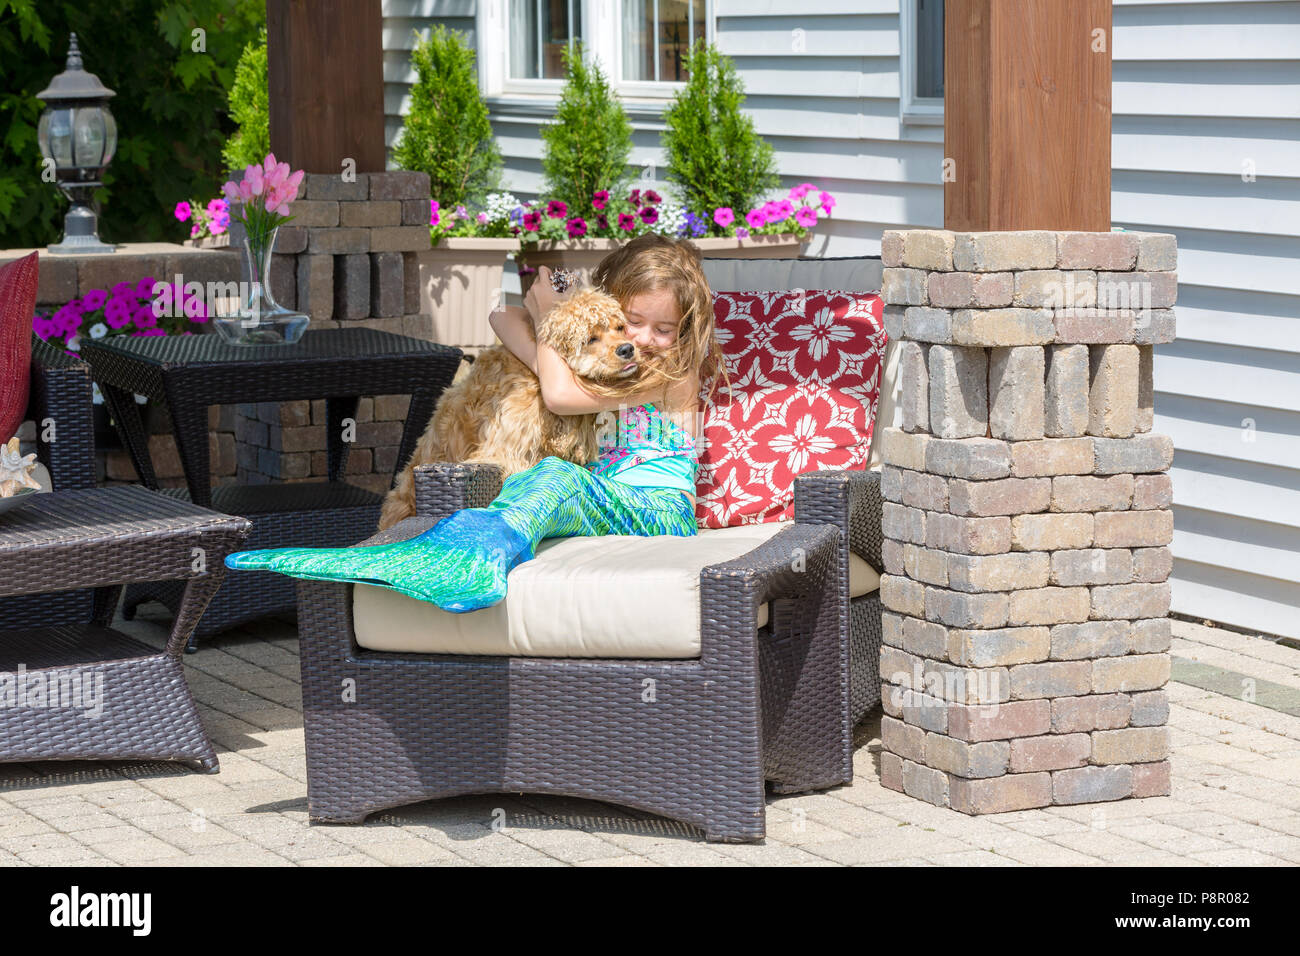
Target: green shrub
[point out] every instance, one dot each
(170, 107)
(249, 108)
(587, 146)
(446, 133)
(714, 155)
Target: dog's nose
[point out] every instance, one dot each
(625, 351)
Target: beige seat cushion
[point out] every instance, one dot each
(613, 596)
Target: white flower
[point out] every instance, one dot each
(74, 344)
(498, 206)
(98, 330)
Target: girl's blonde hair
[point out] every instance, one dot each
(652, 263)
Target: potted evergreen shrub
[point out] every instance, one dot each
(447, 134)
(722, 168)
(586, 210)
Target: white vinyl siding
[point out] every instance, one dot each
(1199, 87)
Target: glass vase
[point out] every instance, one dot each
(260, 320)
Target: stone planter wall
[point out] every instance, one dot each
(349, 258)
(1027, 519)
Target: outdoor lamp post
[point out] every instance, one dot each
(78, 133)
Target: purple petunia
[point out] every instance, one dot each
(651, 197)
(649, 215)
(144, 318)
(94, 299)
(144, 288)
(118, 312)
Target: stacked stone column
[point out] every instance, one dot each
(348, 259)
(1027, 519)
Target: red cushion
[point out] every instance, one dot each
(17, 302)
(805, 378)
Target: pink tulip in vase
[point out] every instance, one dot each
(262, 199)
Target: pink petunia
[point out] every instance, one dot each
(784, 209)
(532, 220)
(652, 198)
(218, 226)
(827, 203)
(649, 215)
(482, 218)
(757, 218)
(803, 189)
(557, 209)
(724, 216)
(195, 231)
(577, 227)
(626, 221)
(182, 211)
(634, 197)
(600, 199)
(806, 217)
(217, 206)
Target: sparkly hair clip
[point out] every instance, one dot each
(563, 279)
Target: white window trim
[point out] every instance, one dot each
(601, 20)
(913, 109)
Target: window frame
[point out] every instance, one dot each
(913, 110)
(602, 22)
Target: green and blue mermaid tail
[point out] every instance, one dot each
(461, 563)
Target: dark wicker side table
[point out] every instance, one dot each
(189, 373)
(87, 692)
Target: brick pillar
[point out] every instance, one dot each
(1027, 519)
(347, 259)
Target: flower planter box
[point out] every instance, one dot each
(583, 255)
(460, 283)
(209, 242)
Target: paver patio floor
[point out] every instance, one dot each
(1235, 729)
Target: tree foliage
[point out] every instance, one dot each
(447, 133)
(714, 154)
(170, 106)
(587, 147)
(250, 109)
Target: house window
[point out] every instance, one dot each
(539, 32)
(657, 35)
(920, 62)
(641, 45)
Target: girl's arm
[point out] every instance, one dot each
(514, 328)
(563, 394)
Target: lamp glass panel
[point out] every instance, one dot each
(110, 135)
(88, 137)
(60, 136)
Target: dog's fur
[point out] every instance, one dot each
(495, 414)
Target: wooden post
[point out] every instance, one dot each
(326, 78)
(1027, 115)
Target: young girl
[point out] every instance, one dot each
(643, 484)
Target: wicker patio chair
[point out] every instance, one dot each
(59, 402)
(769, 701)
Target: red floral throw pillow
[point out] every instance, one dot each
(17, 302)
(805, 378)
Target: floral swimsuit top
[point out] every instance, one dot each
(648, 449)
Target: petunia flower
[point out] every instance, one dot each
(557, 209)
(577, 227)
(803, 189)
(532, 220)
(600, 199)
(144, 288)
(649, 215)
(742, 232)
(117, 313)
(94, 299)
(757, 218)
(182, 211)
(724, 216)
(652, 197)
(827, 203)
(482, 218)
(626, 221)
(806, 217)
(634, 197)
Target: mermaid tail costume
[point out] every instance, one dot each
(461, 563)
